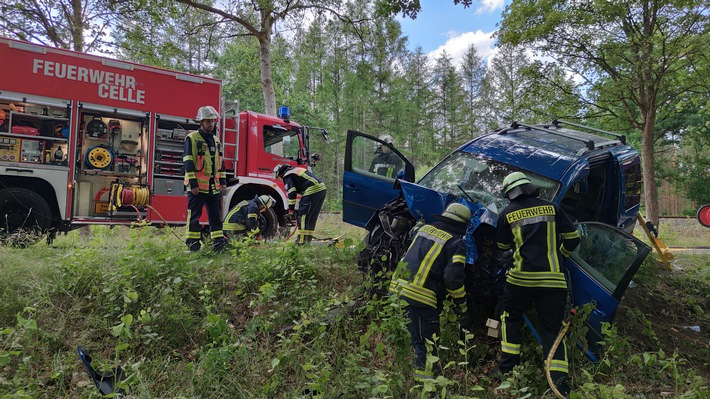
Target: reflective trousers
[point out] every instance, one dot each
(550, 306)
(423, 324)
(308, 209)
(195, 203)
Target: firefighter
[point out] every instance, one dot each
(433, 266)
(386, 163)
(204, 176)
(312, 189)
(541, 236)
(243, 219)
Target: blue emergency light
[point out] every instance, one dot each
(285, 113)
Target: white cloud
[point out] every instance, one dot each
(488, 6)
(457, 43)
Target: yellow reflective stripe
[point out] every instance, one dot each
(318, 187)
(513, 349)
(190, 175)
(536, 283)
(517, 258)
(233, 227)
(503, 329)
(552, 258)
(559, 365)
(457, 293)
(419, 294)
(251, 215)
(427, 263)
(291, 190)
(421, 375)
(188, 158)
(503, 246)
(570, 236)
(216, 234)
(538, 275)
(458, 259)
(193, 235)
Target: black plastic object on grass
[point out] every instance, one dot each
(105, 381)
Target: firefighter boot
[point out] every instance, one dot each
(193, 245)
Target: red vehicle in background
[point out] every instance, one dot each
(90, 140)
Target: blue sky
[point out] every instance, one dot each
(441, 25)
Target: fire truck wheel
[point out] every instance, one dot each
(23, 209)
(269, 229)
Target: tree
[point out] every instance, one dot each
(179, 37)
(638, 46)
(69, 24)
(507, 88)
(473, 70)
(258, 19)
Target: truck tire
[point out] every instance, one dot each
(270, 225)
(21, 208)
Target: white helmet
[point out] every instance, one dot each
(206, 112)
(387, 139)
(264, 201)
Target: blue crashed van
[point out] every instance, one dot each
(593, 174)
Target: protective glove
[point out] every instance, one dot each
(291, 218)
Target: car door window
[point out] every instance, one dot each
(374, 158)
(609, 256)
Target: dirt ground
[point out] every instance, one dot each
(668, 313)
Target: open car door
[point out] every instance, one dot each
(371, 169)
(601, 269)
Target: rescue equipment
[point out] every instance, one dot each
(99, 157)
(664, 253)
(127, 195)
(96, 128)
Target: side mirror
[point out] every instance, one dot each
(324, 133)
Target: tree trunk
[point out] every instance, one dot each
(267, 83)
(650, 190)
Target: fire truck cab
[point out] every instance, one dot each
(89, 140)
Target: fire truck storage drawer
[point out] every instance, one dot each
(168, 187)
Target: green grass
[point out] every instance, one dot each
(259, 322)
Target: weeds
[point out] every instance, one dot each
(274, 320)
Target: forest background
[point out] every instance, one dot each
(640, 68)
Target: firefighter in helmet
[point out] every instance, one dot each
(386, 163)
(433, 267)
(299, 180)
(205, 179)
(243, 219)
(541, 236)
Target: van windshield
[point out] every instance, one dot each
(480, 178)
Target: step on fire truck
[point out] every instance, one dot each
(89, 140)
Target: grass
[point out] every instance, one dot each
(274, 320)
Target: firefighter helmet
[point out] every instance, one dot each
(280, 170)
(206, 112)
(516, 184)
(387, 139)
(457, 212)
(263, 201)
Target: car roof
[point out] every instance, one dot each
(549, 150)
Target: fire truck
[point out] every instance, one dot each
(88, 140)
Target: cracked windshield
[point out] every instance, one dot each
(480, 179)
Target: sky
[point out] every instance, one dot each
(441, 25)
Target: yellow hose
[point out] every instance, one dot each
(551, 355)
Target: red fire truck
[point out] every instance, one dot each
(89, 140)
